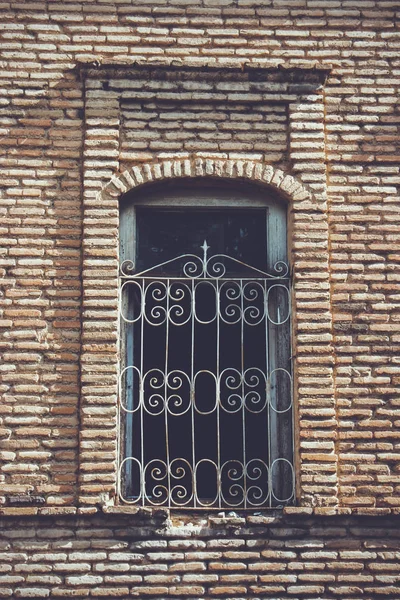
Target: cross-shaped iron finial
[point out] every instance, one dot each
(205, 248)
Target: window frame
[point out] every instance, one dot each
(209, 194)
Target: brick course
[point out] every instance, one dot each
(100, 97)
(258, 557)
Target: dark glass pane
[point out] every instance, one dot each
(166, 234)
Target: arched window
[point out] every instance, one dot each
(205, 394)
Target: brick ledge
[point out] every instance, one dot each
(217, 518)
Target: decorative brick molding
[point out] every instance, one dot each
(292, 189)
(315, 413)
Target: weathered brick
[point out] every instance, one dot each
(71, 145)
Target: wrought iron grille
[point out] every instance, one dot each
(205, 391)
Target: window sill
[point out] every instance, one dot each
(141, 511)
(213, 519)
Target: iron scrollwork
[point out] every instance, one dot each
(233, 304)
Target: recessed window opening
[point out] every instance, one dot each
(205, 381)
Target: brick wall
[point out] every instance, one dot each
(67, 131)
(108, 557)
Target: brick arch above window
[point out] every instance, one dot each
(314, 393)
(290, 187)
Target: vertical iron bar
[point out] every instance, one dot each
(166, 393)
(218, 393)
(291, 366)
(141, 392)
(192, 395)
(121, 390)
(268, 392)
(243, 390)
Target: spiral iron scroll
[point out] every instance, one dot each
(213, 267)
(237, 484)
(175, 391)
(234, 301)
